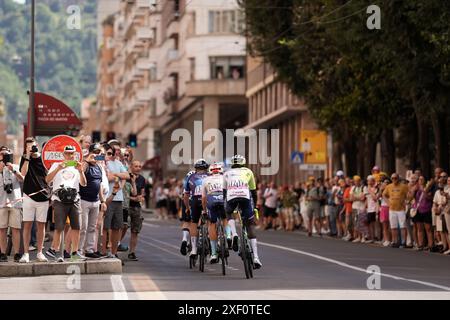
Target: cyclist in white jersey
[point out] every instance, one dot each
(240, 189)
(213, 204)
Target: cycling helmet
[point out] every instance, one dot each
(216, 167)
(238, 160)
(201, 164)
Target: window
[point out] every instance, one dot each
(153, 75)
(192, 68)
(228, 21)
(227, 67)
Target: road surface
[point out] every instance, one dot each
(294, 267)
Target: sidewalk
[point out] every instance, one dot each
(13, 269)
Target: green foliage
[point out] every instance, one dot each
(355, 80)
(65, 59)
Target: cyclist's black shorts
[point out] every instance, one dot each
(245, 204)
(216, 210)
(184, 216)
(196, 209)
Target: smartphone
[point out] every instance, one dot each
(99, 158)
(71, 163)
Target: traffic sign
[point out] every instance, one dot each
(313, 167)
(54, 148)
(297, 157)
(314, 144)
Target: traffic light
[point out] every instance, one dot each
(96, 136)
(110, 135)
(132, 140)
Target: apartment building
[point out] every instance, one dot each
(273, 106)
(164, 65)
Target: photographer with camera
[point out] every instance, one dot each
(10, 204)
(66, 178)
(35, 198)
(92, 201)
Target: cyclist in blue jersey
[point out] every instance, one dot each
(185, 218)
(240, 190)
(193, 199)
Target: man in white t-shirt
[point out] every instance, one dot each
(66, 178)
(10, 206)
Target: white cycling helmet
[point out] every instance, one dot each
(238, 159)
(216, 167)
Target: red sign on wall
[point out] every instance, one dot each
(54, 148)
(53, 116)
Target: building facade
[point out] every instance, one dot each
(164, 65)
(273, 106)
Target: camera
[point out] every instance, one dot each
(34, 149)
(8, 157)
(8, 188)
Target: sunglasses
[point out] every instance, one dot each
(126, 155)
(109, 153)
(97, 152)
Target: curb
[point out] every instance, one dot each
(34, 269)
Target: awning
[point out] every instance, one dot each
(54, 117)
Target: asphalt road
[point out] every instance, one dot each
(294, 267)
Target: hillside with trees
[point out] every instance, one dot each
(65, 59)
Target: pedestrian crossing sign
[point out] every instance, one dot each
(297, 157)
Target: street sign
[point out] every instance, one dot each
(53, 150)
(313, 167)
(297, 157)
(314, 144)
(54, 116)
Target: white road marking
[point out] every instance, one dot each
(172, 246)
(346, 265)
(120, 293)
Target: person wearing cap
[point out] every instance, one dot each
(313, 198)
(66, 177)
(358, 195)
(92, 201)
(376, 174)
(395, 195)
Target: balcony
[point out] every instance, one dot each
(172, 54)
(143, 95)
(144, 63)
(144, 33)
(227, 87)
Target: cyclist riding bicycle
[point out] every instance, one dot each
(185, 218)
(240, 189)
(193, 199)
(213, 203)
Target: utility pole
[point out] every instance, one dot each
(32, 113)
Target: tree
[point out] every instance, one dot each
(361, 84)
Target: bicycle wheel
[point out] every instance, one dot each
(244, 255)
(221, 242)
(249, 258)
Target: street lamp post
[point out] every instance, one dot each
(32, 114)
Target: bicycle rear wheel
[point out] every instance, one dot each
(221, 241)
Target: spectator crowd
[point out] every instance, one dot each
(412, 212)
(93, 203)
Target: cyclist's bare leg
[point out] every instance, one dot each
(250, 224)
